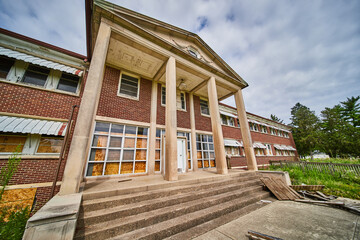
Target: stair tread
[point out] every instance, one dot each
(175, 209)
(167, 198)
(170, 225)
(149, 192)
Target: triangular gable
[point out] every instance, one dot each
(174, 36)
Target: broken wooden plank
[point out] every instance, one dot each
(280, 189)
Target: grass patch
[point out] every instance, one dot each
(334, 160)
(342, 185)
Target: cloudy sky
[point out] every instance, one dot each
(288, 51)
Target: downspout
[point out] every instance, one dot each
(63, 148)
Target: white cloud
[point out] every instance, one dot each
(288, 51)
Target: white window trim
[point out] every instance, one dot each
(31, 145)
(53, 78)
(125, 95)
(203, 114)
(177, 91)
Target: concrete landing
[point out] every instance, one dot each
(100, 185)
(291, 220)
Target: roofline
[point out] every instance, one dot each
(255, 115)
(44, 44)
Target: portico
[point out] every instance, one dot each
(189, 69)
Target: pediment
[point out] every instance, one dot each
(192, 47)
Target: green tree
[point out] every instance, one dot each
(276, 119)
(350, 110)
(333, 138)
(305, 129)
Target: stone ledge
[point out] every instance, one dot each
(56, 219)
(284, 176)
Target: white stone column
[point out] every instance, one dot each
(193, 133)
(152, 134)
(216, 128)
(86, 116)
(170, 122)
(245, 131)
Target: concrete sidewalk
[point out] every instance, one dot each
(291, 220)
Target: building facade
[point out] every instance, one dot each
(147, 102)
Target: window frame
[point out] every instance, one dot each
(37, 66)
(58, 82)
(119, 86)
(208, 107)
(178, 93)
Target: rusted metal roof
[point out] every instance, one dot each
(39, 61)
(33, 126)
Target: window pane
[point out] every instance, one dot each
(163, 95)
(112, 168)
(211, 146)
(117, 129)
(205, 146)
(49, 145)
(129, 85)
(157, 144)
(200, 165)
(130, 131)
(113, 155)
(102, 128)
(36, 75)
(99, 141)
(8, 144)
(157, 166)
(95, 169)
(142, 132)
(128, 155)
(141, 143)
(68, 82)
(157, 154)
(140, 155)
(129, 143)
(206, 163)
(5, 66)
(140, 167)
(97, 155)
(115, 142)
(126, 167)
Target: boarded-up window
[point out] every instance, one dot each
(9, 143)
(50, 145)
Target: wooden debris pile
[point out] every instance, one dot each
(307, 194)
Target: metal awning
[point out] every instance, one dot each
(33, 126)
(283, 147)
(228, 114)
(39, 61)
(232, 143)
(258, 145)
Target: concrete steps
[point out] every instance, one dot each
(174, 211)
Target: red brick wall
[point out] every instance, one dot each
(31, 101)
(201, 122)
(111, 105)
(182, 117)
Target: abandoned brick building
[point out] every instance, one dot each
(147, 102)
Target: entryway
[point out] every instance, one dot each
(181, 155)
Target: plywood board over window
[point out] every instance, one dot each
(121, 149)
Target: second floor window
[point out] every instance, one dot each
(5, 66)
(129, 86)
(180, 99)
(36, 75)
(68, 83)
(204, 107)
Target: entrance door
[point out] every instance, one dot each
(181, 154)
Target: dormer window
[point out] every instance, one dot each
(193, 52)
